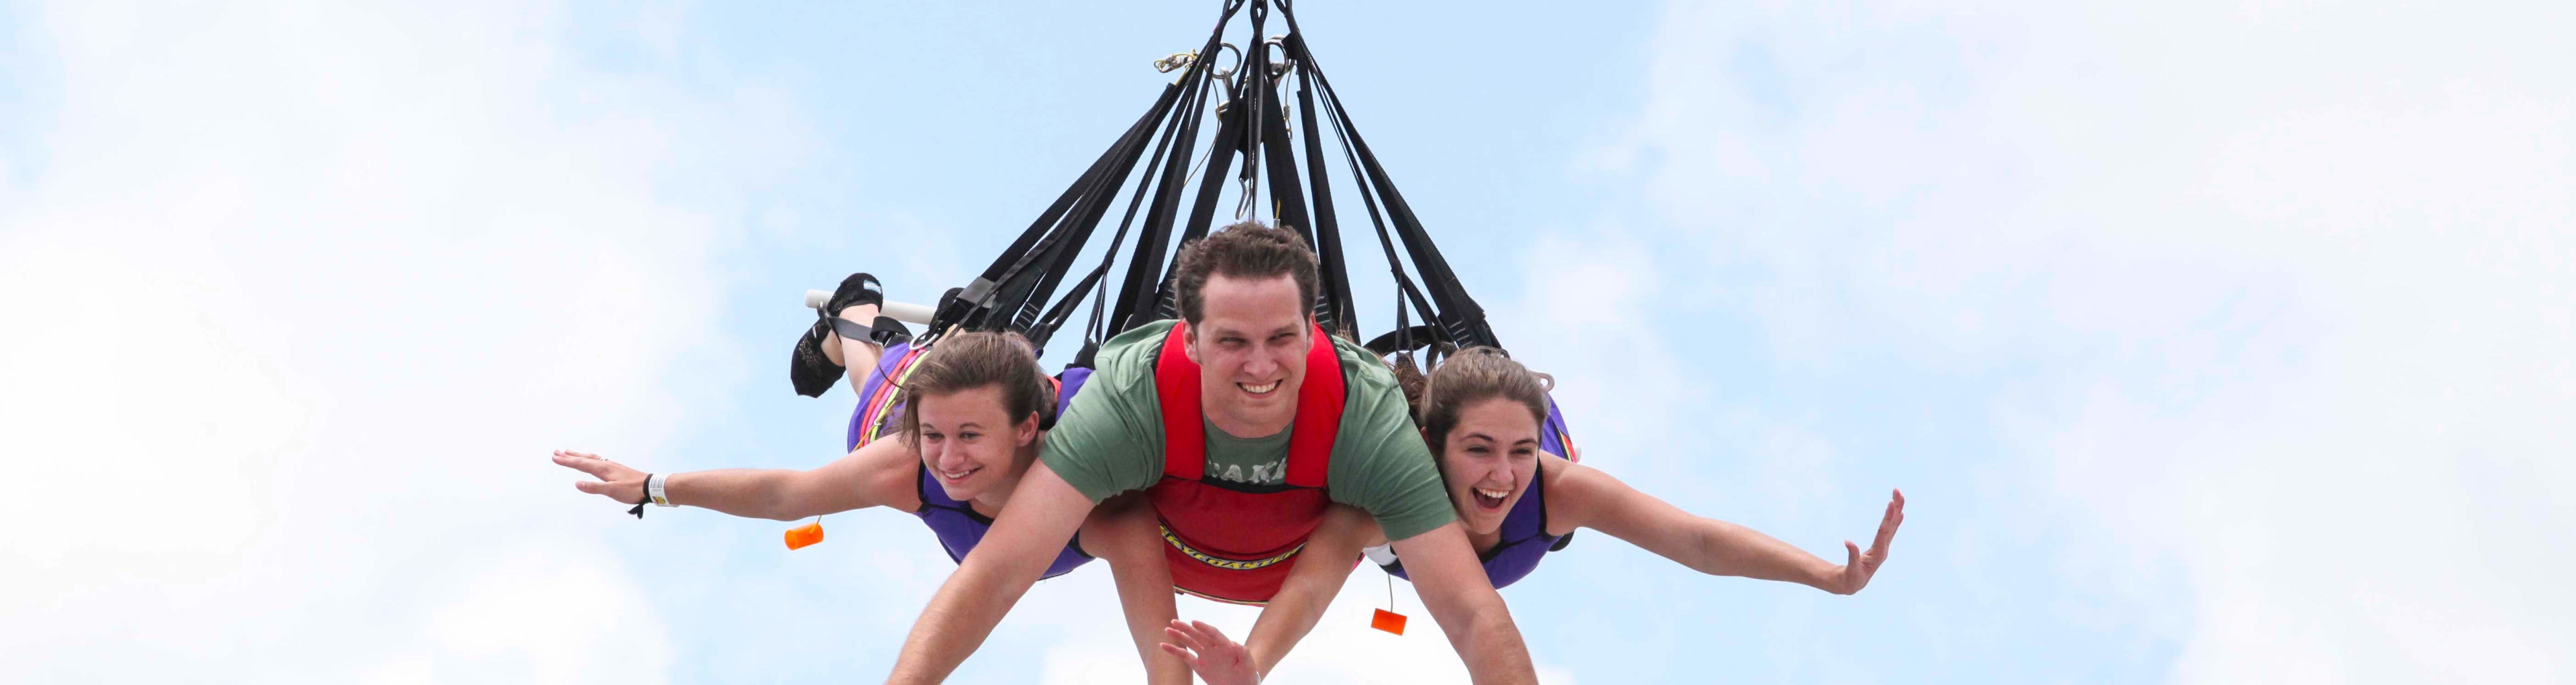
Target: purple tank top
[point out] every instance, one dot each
(957, 525)
(1524, 530)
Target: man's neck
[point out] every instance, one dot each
(1247, 426)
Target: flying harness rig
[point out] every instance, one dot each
(1274, 161)
(1289, 174)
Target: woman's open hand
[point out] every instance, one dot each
(616, 481)
(1856, 573)
(1217, 660)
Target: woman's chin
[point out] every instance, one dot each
(1479, 523)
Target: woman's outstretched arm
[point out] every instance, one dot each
(1123, 533)
(1583, 496)
(873, 475)
(1330, 555)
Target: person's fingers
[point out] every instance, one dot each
(598, 468)
(1856, 571)
(1187, 659)
(1887, 527)
(1180, 636)
(1207, 635)
(591, 486)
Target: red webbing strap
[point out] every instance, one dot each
(1176, 383)
(1319, 415)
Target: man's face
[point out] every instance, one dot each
(1251, 344)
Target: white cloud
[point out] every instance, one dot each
(2296, 276)
(300, 297)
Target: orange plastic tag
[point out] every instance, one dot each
(800, 536)
(1388, 621)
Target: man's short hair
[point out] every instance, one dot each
(1246, 250)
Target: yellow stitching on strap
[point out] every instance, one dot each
(1221, 562)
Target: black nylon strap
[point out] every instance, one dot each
(1458, 313)
(981, 296)
(1028, 239)
(1136, 292)
(1015, 291)
(1255, 78)
(1337, 306)
(1139, 290)
(1158, 304)
(1056, 253)
(1055, 317)
(1288, 201)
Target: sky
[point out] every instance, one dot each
(2210, 342)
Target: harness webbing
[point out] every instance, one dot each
(1252, 120)
(879, 402)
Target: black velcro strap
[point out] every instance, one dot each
(889, 331)
(851, 330)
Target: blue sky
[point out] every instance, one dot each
(2211, 342)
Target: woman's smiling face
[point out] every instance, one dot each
(969, 442)
(1488, 460)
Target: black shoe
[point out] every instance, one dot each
(860, 288)
(812, 371)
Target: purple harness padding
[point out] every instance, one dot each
(958, 526)
(1524, 531)
(889, 365)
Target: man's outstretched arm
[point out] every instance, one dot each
(1453, 586)
(1043, 513)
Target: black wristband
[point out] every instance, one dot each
(638, 511)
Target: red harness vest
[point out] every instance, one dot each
(1216, 527)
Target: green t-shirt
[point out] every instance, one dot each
(1111, 439)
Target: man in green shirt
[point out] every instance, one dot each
(1111, 440)
(1250, 338)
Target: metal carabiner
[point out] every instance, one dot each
(1279, 67)
(1227, 74)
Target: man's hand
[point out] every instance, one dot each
(616, 481)
(1217, 660)
(1855, 574)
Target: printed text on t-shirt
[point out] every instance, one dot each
(1272, 473)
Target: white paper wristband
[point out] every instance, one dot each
(653, 485)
